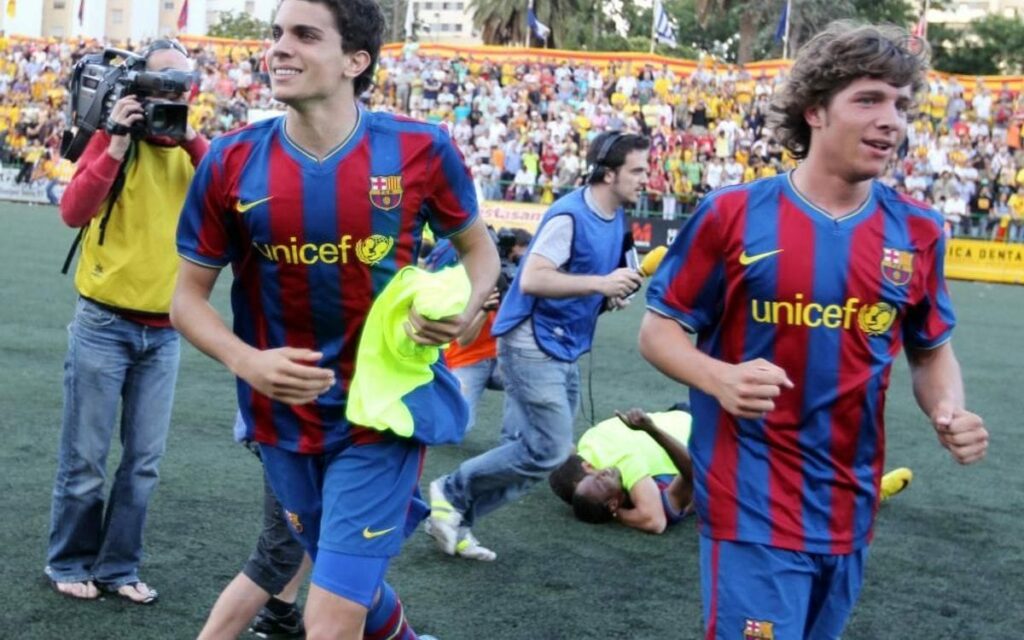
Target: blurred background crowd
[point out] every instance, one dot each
(524, 126)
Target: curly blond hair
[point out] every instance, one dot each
(843, 52)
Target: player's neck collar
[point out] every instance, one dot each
(333, 152)
(864, 206)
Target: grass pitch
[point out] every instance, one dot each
(947, 561)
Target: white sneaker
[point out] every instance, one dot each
(469, 547)
(444, 519)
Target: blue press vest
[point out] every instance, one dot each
(564, 327)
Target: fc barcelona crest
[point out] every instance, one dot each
(897, 266)
(758, 630)
(386, 191)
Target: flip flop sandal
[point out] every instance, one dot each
(150, 597)
(55, 586)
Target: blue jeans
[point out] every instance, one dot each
(111, 361)
(476, 377)
(541, 399)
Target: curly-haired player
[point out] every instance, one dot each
(802, 289)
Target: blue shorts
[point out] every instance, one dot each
(672, 516)
(757, 592)
(359, 502)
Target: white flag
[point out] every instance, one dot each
(409, 19)
(665, 29)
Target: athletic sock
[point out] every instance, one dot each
(280, 608)
(386, 619)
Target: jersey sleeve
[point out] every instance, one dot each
(452, 203)
(930, 322)
(203, 236)
(689, 286)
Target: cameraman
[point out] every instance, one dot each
(122, 349)
(545, 324)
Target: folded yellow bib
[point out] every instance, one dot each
(401, 386)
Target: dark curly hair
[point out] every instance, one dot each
(564, 479)
(361, 25)
(589, 510)
(845, 51)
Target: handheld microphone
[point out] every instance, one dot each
(651, 261)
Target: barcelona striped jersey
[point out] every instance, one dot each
(313, 242)
(760, 272)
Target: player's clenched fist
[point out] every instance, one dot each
(749, 389)
(962, 432)
(287, 375)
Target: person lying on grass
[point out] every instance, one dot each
(633, 469)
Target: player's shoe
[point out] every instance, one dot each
(469, 547)
(444, 519)
(895, 481)
(269, 625)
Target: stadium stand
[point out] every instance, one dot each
(524, 124)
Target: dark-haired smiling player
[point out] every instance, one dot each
(316, 211)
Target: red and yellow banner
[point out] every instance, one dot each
(985, 261)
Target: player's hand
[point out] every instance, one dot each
(962, 432)
(125, 112)
(620, 283)
(434, 333)
(749, 389)
(636, 419)
(287, 375)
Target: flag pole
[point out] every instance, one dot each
(526, 39)
(654, 22)
(785, 37)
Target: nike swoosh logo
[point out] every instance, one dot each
(747, 260)
(243, 207)
(370, 535)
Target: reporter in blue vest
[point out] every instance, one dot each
(570, 274)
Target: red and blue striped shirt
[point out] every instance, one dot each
(760, 272)
(313, 242)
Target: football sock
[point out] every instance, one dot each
(386, 619)
(279, 608)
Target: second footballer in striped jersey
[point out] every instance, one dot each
(801, 290)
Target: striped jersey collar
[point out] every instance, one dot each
(866, 206)
(333, 153)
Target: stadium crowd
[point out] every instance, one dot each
(524, 127)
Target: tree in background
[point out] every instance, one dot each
(503, 22)
(989, 46)
(239, 26)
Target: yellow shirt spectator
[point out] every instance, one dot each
(937, 103)
(1016, 203)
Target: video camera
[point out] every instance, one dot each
(506, 240)
(97, 83)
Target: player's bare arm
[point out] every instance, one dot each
(472, 331)
(939, 390)
(478, 255)
(638, 420)
(286, 374)
(647, 513)
(746, 390)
